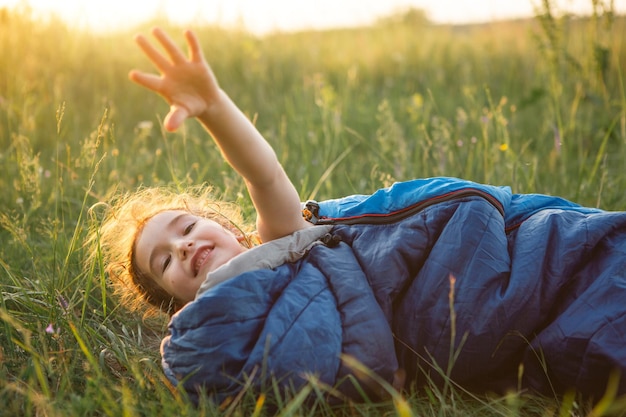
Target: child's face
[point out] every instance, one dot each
(178, 249)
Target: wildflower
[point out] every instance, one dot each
(19, 200)
(115, 152)
(459, 143)
(504, 147)
(158, 152)
(50, 329)
(417, 100)
(473, 139)
(144, 125)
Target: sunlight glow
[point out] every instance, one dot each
(264, 16)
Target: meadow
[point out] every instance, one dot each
(537, 104)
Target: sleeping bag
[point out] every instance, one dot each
(442, 278)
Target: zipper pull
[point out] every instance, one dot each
(310, 211)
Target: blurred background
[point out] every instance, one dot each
(261, 17)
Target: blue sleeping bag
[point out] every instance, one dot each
(441, 278)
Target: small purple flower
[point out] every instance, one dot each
(50, 329)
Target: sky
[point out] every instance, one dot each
(262, 16)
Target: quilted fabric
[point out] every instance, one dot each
(440, 277)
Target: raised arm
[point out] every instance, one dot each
(191, 89)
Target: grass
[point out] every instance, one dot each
(539, 105)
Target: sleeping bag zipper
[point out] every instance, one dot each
(311, 209)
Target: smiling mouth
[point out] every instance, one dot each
(201, 258)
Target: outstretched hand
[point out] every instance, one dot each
(191, 89)
(187, 84)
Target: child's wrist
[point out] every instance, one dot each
(215, 107)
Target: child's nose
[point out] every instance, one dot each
(184, 247)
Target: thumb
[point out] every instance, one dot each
(175, 117)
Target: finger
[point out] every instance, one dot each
(195, 51)
(150, 81)
(176, 55)
(175, 118)
(152, 53)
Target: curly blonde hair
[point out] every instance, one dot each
(113, 239)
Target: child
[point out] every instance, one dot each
(191, 89)
(436, 279)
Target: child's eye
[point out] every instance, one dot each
(166, 263)
(188, 228)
